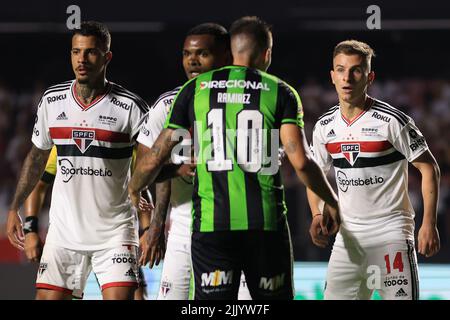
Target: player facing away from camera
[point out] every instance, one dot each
(206, 47)
(33, 206)
(239, 213)
(369, 143)
(93, 123)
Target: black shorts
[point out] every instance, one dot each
(265, 257)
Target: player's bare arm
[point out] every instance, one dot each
(428, 238)
(149, 164)
(318, 229)
(156, 237)
(32, 206)
(306, 168)
(32, 170)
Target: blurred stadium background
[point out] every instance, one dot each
(412, 69)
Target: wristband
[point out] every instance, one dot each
(31, 224)
(317, 214)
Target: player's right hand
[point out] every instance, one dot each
(331, 219)
(33, 247)
(316, 230)
(14, 229)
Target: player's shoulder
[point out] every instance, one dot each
(125, 98)
(165, 99)
(328, 116)
(58, 90)
(383, 111)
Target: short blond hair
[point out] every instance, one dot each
(360, 48)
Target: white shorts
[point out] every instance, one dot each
(67, 270)
(355, 272)
(176, 273)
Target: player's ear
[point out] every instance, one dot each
(108, 57)
(370, 77)
(332, 76)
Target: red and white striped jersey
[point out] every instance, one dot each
(90, 207)
(370, 157)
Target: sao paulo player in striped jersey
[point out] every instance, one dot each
(206, 47)
(33, 206)
(239, 213)
(93, 123)
(369, 143)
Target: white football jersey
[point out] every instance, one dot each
(370, 157)
(181, 188)
(90, 208)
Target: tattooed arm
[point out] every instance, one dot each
(30, 174)
(155, 242)
(308, 171)
(148, 164)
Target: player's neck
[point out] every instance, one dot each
(87, 92)
(352, 109)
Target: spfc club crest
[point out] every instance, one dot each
(165, 287)
(83, 138)
(350, 152)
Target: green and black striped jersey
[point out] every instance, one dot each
(235, 112)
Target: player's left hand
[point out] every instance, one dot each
(428, 240)
(153, 244)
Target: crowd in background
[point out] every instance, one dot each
(425, 100)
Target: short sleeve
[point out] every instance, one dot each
(153, 124)
(410, 141)
(179, 113)
(319, 150)
(41, 133)
(137, 118)
(290, 105)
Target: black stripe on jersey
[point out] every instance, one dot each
(330, 111)
(382, 109)
(162, 97)
(279, 198)
(48, 178)
(56, 90)
(131, 94)
(71, 150)
(362, 162)
(196, 205)
(220, 178)
(394, 110)
(142, 107)
(413, 268)
(65, 83)
(196, 200)
(255, 211)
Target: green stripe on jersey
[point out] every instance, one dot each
(268, 103)
(205, 183)
(236, 178)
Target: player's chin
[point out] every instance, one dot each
(83, 79)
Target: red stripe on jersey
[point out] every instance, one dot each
(100, 134)
(365, 146)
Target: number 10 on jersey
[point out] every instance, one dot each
(249, 135)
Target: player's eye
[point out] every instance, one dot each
(185, 53)
(204, 54)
